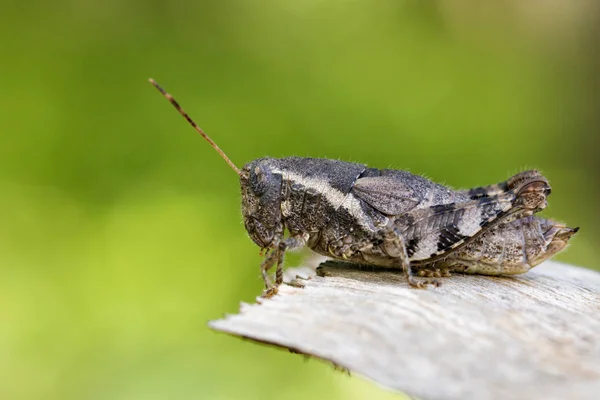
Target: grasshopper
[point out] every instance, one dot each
(382, 217)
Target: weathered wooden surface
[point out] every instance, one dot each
(535, 336)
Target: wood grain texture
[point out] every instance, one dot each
(535, 336)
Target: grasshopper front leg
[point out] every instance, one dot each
(275, 257)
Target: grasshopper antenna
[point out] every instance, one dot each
(196, 127)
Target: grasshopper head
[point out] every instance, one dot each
(261, 201)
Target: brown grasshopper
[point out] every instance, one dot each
(382, 217)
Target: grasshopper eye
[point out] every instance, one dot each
(260, 180)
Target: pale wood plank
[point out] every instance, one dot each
(534, 336)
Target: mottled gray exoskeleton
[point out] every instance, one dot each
(508, 248)
(392, 218)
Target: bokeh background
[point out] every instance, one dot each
(120, 229)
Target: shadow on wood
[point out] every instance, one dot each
(534, 336)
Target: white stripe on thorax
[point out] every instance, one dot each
(336, 198)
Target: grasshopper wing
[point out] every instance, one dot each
(386, 194)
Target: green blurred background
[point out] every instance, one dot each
(120, 229)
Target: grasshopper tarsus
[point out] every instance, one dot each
(423, 283)
(270, 292)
